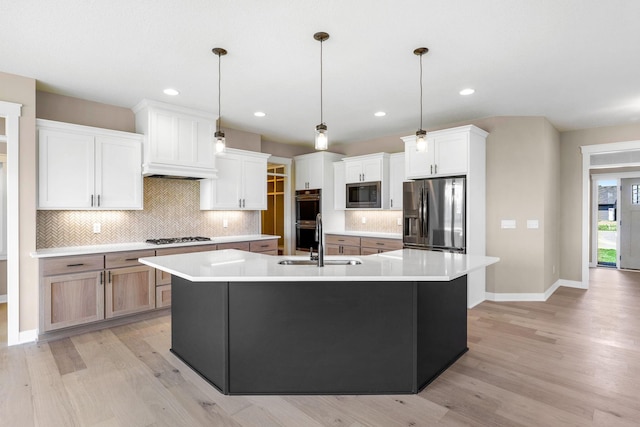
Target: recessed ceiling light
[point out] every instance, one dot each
(171, 92)
(467, 91)
(259, 114)
(380, 114)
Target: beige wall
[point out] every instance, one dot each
(1, 125)
(67, 109)
(22, 90)
(571, 189)
(284, 150)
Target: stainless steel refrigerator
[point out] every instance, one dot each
(434, 214)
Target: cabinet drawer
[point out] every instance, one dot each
(338, 239)
(243, 246)
(71, 264)
(126, 259)
(385, 244)
(185, 249)
(263, 245)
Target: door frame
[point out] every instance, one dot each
(587, 151)
(11, 113)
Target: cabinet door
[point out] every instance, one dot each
(302, 173)
(353, 171)
(315, 172)
(163, 132)
(73, 299)
(418, 164)
(396, 177)
(350, 250)
(129, 290)
(65, 170)
(163, 296)
(332, 249)
(339, 186)
(118, 173)
(254, 184)
(372, 170)
(224, 192)
(451, 154)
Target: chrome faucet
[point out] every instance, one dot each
(319, 239)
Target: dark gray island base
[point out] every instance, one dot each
(319, 337)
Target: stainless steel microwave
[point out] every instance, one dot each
(364, 195)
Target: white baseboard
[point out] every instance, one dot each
(3, 299)
(572, 284)
(542, 296)
(28, 336)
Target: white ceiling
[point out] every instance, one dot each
(575, 62)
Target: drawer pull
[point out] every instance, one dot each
(131, 259)
(264, 246)
(75, 265)
(379, 243)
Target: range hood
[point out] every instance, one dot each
(177, 172)
(177, 141)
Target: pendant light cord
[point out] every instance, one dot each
(321, 117)
(219, 92)
(420, 91)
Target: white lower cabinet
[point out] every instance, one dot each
(241, 182)
(86, 168)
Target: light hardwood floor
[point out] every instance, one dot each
(573, 360)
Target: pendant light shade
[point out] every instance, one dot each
(421, 135)
(218, 136)
(322, 139)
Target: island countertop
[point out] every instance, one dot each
(232, 265)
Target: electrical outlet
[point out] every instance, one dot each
(97, 227)
(225, 223)
(364, 220)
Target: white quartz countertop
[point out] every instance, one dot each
(367, 234)
(237, 266)
(135, 246)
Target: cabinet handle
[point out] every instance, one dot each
(239, 203)
(431, 168)
(243, 202)
(92, 200)
(391, 202)
(378, 243)
(75, 265)
(109, 277)
(98, 200)
(264, 246)
(436, 172)
(131, 259)
(101, 277)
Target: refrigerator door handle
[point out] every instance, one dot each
(421, 213)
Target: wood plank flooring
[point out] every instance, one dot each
(571, 361)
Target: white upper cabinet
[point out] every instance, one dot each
(241, 182)
(396, 178)
(447, 152)
(366, 168)
(178, 141)
(314, 170)
(81, 167)
(340, 189)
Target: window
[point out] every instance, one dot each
(635, 194)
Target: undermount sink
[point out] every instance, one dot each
(314, 262)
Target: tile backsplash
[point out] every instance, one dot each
(171, 209)
(375, 221)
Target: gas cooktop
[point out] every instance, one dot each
(168, 240)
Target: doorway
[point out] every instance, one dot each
(606, 221)
(276, 220)
(630, 223)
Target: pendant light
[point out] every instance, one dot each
(218, 136)
(322, 140)
(421, 135)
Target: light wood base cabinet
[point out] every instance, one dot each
(129, 290)
(73, 299)
(163, 296)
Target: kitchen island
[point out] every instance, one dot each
(250, 325)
